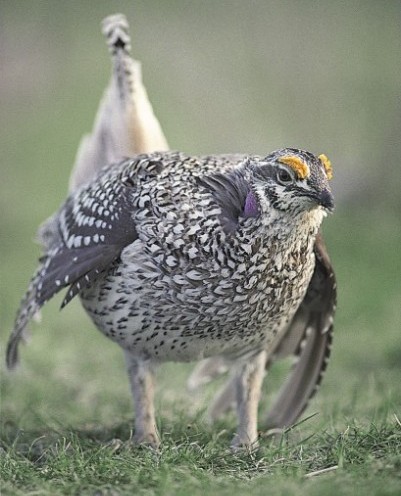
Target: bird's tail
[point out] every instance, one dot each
(125, 124)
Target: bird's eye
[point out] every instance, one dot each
(284, 177)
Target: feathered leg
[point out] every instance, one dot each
(141, 376)
(249, 381)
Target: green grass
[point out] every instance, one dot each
(66, 414)
(95, 461)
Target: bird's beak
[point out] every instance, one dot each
(326, 200)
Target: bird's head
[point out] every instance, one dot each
(290, 180)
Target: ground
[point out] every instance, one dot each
(67, 417)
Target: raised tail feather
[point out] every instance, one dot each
(125, 124)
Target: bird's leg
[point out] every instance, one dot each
(249, 381)
(224, 399)
(141, 376)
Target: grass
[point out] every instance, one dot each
(66, 413)
(94, 461)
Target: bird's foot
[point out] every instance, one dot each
(244, 445)
(147, 439)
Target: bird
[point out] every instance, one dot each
(180, 258)
(125, 125)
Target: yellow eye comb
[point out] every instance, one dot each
(297, 165)
(327, 165)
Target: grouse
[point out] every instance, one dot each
(179, 258)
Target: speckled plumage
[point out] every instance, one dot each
(180, 258)
(193, 284)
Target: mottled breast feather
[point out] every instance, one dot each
(309, 337)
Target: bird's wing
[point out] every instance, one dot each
(309, 337)
(125, 124)
(93, 226)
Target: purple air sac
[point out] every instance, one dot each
(251, 207)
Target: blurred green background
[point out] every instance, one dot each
(223, 76)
